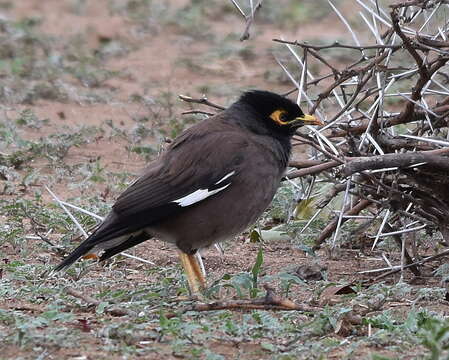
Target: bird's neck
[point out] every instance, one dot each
(247, 117)
(284, 151)
(279, 143)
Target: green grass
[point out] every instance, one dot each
(59, 318)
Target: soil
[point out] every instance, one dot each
(152, 67)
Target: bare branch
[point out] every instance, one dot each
(337, 45)
(330, 228)
(270, 301)
(203, 100)
(431, 158)
(115, 311)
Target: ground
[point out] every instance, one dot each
(89, 96)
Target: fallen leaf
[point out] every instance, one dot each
(311, 272)
(329, 295)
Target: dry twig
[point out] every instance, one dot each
(203, 100)
(115, 311)
(270, 301)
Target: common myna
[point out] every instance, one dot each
(212, 182)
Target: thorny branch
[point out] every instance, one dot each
(203, 101)
(248, 17)
(387, 117)
(434, 158)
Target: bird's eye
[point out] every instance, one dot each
(280, 117)
(283, 116)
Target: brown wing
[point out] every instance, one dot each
(203, 159)
(197, 160)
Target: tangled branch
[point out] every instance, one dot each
(386, 139)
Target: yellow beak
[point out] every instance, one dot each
(308, 120)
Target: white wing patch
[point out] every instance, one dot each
(225, 177)
(201, 194)
(198, 196)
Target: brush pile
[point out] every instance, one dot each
(385, 145)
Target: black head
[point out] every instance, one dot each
(275, 113)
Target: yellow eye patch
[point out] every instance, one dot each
(280, 117)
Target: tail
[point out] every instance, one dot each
(81, 250)
(133, 240)
(100, 233)
(87, 246)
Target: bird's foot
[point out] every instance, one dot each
(195, 278)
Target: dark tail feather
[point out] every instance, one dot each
(81, 250)
(132, 241)
(87, 245)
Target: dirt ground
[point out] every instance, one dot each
(125, 63)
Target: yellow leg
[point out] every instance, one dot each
(195, 277)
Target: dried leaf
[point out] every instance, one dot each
(311, 272)
(329, 295)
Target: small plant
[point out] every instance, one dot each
(28, 118)
(434, 335)
(255, 271)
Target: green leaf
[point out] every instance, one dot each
(101, 307)
(381, 357)
(274, 235)
(307, 249)
(306, 208)
(212, 356)
(257, 266)
(254, 237)
(268, 346)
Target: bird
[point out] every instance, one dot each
(212, 182)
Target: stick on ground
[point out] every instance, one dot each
(115, 311)
(270, 301)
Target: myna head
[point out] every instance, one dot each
(276, 113)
